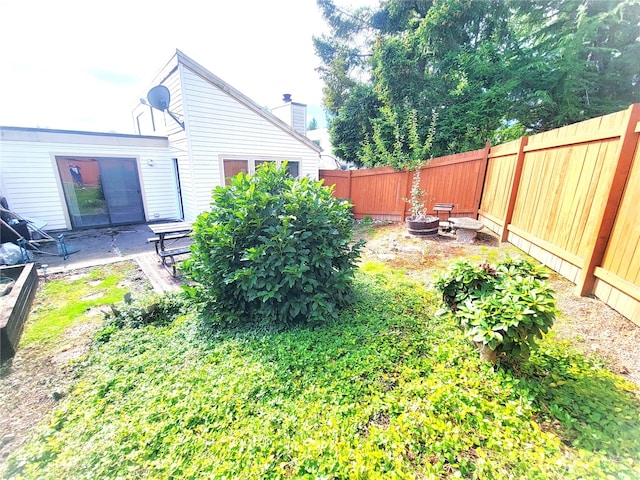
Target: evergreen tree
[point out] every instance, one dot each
(490, 69)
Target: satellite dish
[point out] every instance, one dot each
(159, 97)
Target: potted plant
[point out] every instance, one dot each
(419, 223)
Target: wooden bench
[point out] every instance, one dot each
(170, 254)
(156, 240)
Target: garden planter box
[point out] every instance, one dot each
(15, 306)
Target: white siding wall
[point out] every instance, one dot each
(169, 76)
(219, 125)
(30, 178)
(181, 146)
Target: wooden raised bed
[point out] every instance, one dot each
(16, 305)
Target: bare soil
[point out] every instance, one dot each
(34, 381)
(37, 378)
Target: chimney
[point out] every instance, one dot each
(292, 113)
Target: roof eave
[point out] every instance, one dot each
(242, 98)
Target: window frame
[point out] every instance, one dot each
(252, 160)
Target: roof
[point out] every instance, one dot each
(242, 98)
(76, 132)
(31, 134)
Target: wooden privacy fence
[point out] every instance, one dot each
(380, 192)
(569, 197)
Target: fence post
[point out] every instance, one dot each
(513, 191)
(624, 155)
(482, 176)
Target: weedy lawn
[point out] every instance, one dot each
(385, 392)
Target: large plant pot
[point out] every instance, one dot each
(423, 225)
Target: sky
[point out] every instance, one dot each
(83, 65)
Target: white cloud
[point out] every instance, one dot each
(81, 65)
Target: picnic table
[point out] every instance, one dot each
(169, 232)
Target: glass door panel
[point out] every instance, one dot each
(122, 190)
(83, 191)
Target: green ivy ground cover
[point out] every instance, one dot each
(384, 392)
(64, 303)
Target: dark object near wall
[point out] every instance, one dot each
(12, 232)
(10, 229)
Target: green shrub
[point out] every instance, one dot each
(273, 250)
(503, 308)
(149, 310)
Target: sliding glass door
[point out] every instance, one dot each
(101, 191)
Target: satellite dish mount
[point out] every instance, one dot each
(159, 98)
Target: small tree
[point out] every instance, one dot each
(417, 201)
(273, 250)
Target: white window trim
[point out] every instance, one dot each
(252, 159)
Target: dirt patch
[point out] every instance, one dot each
(34, 381)
(423, 257)
(598, 330)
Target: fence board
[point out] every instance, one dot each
(581, 173)
(563, 191)
(379, 192)
(502, 178)
(458, 180)
(340, 179)
(566, 204)
(599, 159)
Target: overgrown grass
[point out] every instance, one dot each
(63, 303)
(384, 392)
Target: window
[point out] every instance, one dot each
(260, 162)
(233, 166)
(294, 169)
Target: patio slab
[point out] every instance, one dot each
(101, 246)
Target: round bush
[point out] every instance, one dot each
(504, 308)
(273, 250)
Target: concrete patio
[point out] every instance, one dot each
(102, 246)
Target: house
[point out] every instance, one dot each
(224, 133)
(165, 170)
